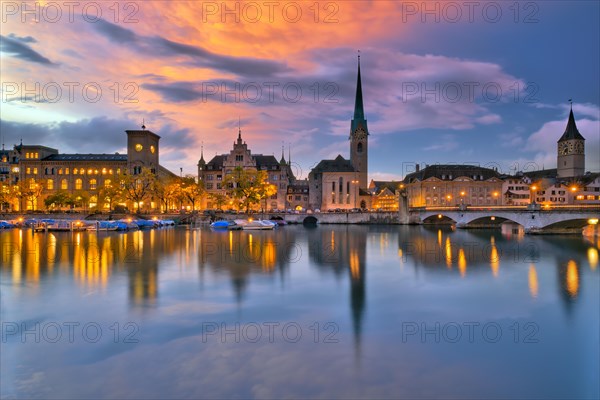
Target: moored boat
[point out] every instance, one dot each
(259, 225)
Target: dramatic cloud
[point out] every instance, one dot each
(17, 47)
(160, 46)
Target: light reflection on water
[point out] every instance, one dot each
(378, 310)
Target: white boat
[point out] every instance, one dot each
(259, 225)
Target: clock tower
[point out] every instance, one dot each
(571, 151)
(359, 136)
(142, 150)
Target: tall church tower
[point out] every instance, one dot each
(571, 151)
(359, 136)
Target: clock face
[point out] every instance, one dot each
(579, 148)
(563, 149)
(152, 149)
(139, 147)
(360, 134)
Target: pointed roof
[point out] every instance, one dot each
(202, 162)
(282, 161)
(359, 112)
(571, 131)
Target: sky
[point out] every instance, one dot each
(474, 82)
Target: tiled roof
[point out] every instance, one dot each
(453, 170)
(86, 157)
(340, 164)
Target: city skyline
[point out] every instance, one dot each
(174, 72)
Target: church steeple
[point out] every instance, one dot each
(359, 113)
(359, 135)
(571, 131)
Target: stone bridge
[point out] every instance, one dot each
(533, 219)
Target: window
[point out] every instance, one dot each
(218, 186)
(332, 187)
(359, 147)
(297, 198)
(290, 197)
(219, 177)
(35, 171)
(78, 184)
(67, 171)
(50, 185)
(64, 185)
(341, 185)
(209, 186)
(239, 157)
(28, 170)
(93, 184)
(75, 171)
(107, 183)
(32, 184)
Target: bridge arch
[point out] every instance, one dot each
(439, 218)
(494, 220)
(574, 223)
(310, 220)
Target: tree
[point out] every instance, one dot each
(30, 191)
(109, 195)
(191, 190)
(8, 193)
(219, 199)
(166, 191)
(137, 188)
(58, 200)
(247, 187)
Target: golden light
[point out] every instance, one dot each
(592, 254)
(572, 278)
(462, 193)
(154, 218)
(573, 188)
(250, 219)
(533, 281)
(534, 187)
(593, 221)
(496, 194)
(493, 218)
(440, 216)
(449, 197)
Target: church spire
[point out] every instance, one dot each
(359, 112)
(571, 131)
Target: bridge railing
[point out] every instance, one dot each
(546, 207)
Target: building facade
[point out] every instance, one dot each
(213, 173)
(42, 171)
(452, 185)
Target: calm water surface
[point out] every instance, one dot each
(329, 312)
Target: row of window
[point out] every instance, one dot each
(32, 155)
(64, 184)
(76, 171)
(297, 198)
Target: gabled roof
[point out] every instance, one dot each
(571, 131)
(392, 186)
(340, 164)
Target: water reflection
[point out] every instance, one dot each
(175, 279)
